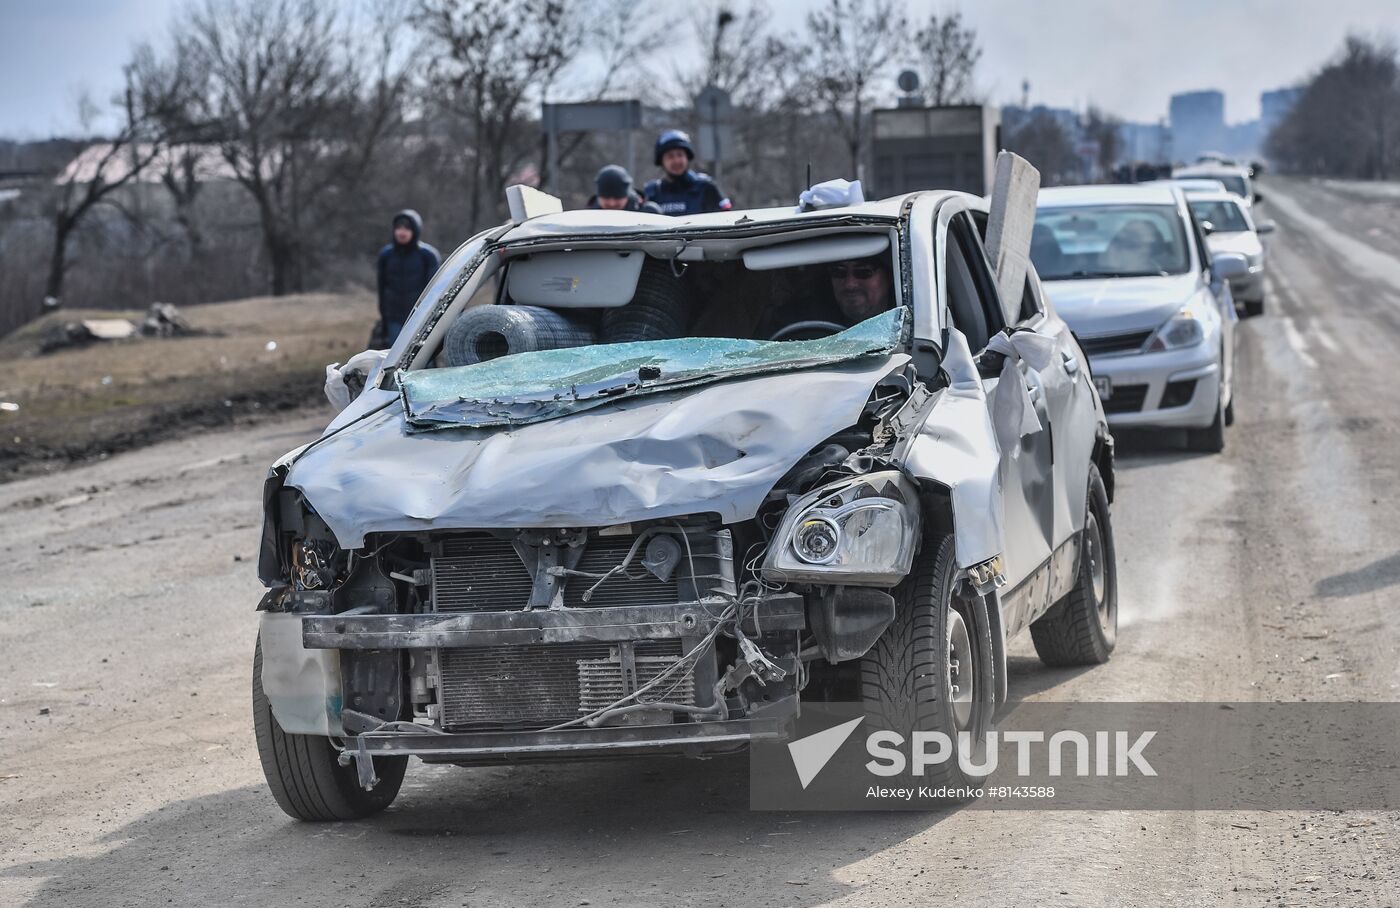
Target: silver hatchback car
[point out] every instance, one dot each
(1129, 269)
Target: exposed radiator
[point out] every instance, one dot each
(538, 685)
(477, 571)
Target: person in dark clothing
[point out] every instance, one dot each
(405, 267)
(860, 289)
(615, 193)
(681, 190)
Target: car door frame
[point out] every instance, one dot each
(1026, 593)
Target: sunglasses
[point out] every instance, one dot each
(859, 272)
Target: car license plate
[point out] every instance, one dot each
(1104, 385)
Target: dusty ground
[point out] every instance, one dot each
(84, 403)
(1269, 572)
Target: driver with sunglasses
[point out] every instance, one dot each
(860, 288)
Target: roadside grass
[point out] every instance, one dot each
(85, 402)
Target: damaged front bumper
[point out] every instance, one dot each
(324, 673)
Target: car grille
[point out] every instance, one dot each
(1114, 344)
(1126, 399)
(532, 686)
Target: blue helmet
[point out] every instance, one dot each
(673, 138)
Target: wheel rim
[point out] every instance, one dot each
(960, 669)
(1098, 576)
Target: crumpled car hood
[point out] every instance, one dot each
(1119, 305)
(717, 448)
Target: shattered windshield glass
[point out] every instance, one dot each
(532, 387)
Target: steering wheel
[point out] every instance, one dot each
(806, 330)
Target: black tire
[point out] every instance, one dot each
(1211, 439)
(1254, 308)
(302, 772)
(907, 681)
(1230, 411)
(1082, 628)
(658, 310)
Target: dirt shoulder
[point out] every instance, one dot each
(84, 403)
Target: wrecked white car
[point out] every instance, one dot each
(630, 485)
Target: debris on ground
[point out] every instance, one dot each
(161, 320)
(164, 320)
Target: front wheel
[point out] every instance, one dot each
(931, 670)
(1082, 628)
(1211, 439)
(303, 772)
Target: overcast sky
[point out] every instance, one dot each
(1127, 56)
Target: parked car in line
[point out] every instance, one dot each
(1192, 184)
(1128, 268)
(1230, 227)
(667, 477)
(1234, 178)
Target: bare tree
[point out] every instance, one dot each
(948, 55)
(489, 57)
(852, 42)
(98, 172)
(1104, 128)
(297, 108)
(1347, 121)
(1044, 143)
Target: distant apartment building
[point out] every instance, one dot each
(1197, 123)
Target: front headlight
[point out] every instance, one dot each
(1181, 330)
(861, 530)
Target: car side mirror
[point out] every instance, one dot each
(1266, 227)
(1207, 227)
(1229, 265)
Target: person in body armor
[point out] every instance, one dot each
(615, 193)
(680, 190)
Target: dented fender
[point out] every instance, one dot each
(955, 447)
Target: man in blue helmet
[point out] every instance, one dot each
(681, 190)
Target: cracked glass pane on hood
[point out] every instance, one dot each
(531, 387)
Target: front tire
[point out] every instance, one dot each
(932, 668)
(1082, 628)
(304, 775)
(1211, 439)
(1254, 308)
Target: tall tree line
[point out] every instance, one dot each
(1346, 122)
(261, 145)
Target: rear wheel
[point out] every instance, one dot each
(932, 668)
(1082, 628)
(303, 772)
(1253, 308)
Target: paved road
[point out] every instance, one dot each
(128, 774)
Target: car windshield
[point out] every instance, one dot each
(545, 384)
(1234, 184)
(1224, 217)
(1109, 241)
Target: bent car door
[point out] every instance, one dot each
(1027, 470)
